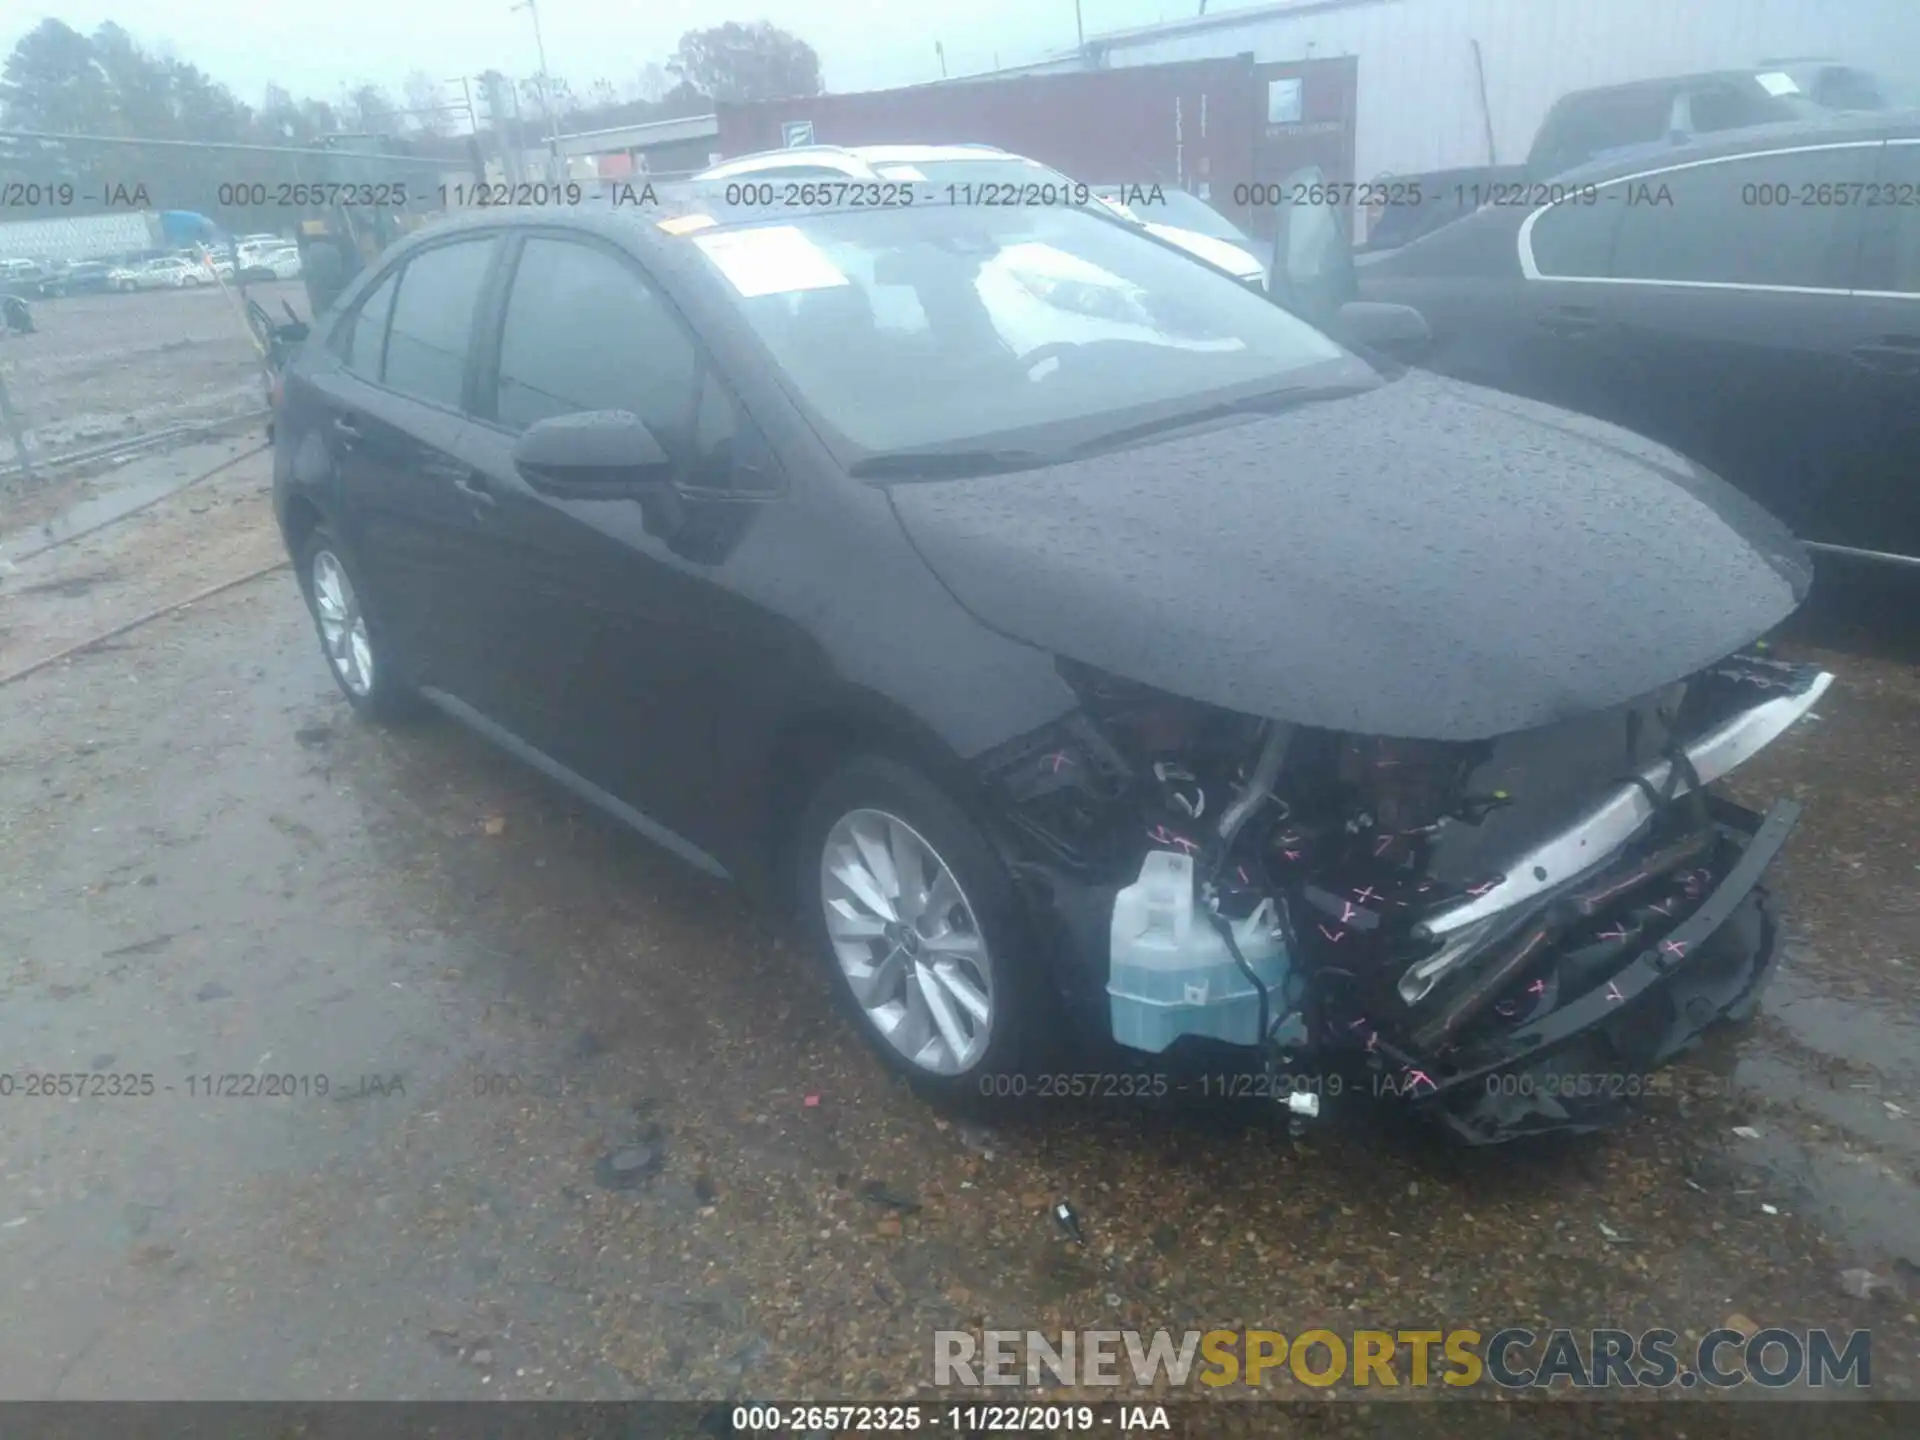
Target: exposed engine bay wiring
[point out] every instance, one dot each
(1353, 843)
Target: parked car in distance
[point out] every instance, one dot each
(978, 174)
(83, 277)
(1086, 645)
(248, 248)
(1751, 300)
(28, 279)
(169, 272)
(282, 263)
(1645, 117)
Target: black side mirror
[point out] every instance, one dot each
(594, 455)
(1399, 332)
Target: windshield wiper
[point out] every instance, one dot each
(968, 464)
(945, 464)
(1268, 402)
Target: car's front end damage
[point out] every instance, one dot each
(1510, 934)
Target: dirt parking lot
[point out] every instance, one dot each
(208, 868)
(102, 368)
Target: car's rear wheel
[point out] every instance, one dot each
(917, 922)
(350, 639)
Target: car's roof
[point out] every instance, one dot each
(1838, 128)
(1695, 79)
(825, 156)
(640, 225)
(854, 160)
(929, 154)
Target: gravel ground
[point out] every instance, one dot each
(208, 868)
(100, 368)
(97, 567)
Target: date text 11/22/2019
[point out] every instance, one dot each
(122, 1085)
(503, 195)
(960, 1419)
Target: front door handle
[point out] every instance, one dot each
(1891, 354)
(475, 487)
(345, 430)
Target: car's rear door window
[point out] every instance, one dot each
(584, 330)
(1573, 239)
(432, 321)
(366, 331)
(1890, 259)
(1781, 219)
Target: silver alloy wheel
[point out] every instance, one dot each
(907, 941)
(343, 628)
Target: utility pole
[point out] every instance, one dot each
(466, 91)
(1079, 30)
(532, 7)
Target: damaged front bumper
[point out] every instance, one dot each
(1606, 950)
(1576, 1068)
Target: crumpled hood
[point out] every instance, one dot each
(1429, 560)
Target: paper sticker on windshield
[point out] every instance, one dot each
(686, 224)
(772, 260)
(1776, 83)
(900, 172)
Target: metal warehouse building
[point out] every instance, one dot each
(1419, 82)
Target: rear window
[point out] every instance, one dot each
(1730, 107)
(1844, 87)
(1579, 128)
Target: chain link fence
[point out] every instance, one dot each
(129, 270)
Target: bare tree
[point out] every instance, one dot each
(652, 83)
(371, 109)
(426, 104)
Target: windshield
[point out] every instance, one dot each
(951, 326)
(1170, 205)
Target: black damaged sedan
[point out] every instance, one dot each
(1088, 644)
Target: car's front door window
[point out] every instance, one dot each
(585, 331)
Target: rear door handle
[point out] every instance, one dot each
(1570, 322)
(475, 487)
(345, 429)
(1892, 354)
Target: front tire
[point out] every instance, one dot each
(916, 920)
(352, 642)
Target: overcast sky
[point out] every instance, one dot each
(314, 48)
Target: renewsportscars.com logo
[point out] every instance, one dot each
(1513, 1358)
